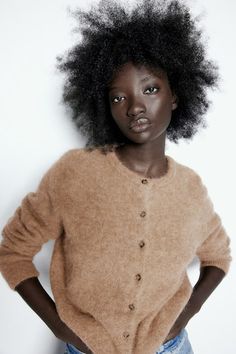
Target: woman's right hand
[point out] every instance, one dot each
(68, 336)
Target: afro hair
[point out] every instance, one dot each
(159, 34)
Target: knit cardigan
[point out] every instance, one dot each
(122, 246)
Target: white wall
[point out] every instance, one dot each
(35, 131)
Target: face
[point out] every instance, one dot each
(137, 92)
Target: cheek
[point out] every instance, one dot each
(112, 110)
(114, 116)
(162, 110)
(117, 113)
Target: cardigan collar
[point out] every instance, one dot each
(132, 175)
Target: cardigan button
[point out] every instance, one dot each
(138, 276)
(141, 244)
(125, 334)
(144, 181)
(131, 306)
(143, 213)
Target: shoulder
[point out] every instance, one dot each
(191, 179)
(71, 157)
(80, 154)
(75, 162)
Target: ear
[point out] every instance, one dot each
(174, 102)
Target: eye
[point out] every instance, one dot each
(117, 99)
(152, 88)
(114, 98)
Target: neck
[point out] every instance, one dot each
(147, 159)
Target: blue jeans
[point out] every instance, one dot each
(177, 345)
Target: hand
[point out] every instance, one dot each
(68, 336)
(181, 322)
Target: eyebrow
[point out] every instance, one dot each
(146, 78)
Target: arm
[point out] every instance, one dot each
(209, 279)
(214, 253)
(41, 303)
(34, 222)
(215, 258)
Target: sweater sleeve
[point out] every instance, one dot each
(215, 249)
(34, 222)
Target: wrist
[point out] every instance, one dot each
(209, 279)
(54, 322)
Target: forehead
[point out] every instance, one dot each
(138, 70)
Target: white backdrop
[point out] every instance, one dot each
(35, 131)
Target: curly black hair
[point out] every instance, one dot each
(159, 34)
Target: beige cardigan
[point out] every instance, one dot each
(123, 243)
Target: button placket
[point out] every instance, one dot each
(137, 276)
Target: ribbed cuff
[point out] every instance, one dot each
(222, 264)
(17, 272)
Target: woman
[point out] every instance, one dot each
(126, 217)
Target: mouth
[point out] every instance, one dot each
(139, 121)
(139, 125)
(138, 128)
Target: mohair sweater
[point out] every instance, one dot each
(122, 246)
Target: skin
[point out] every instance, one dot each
(130, 97)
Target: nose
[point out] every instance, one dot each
(136, 106)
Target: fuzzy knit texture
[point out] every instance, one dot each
(122, 246)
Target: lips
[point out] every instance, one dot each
(139, 122)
